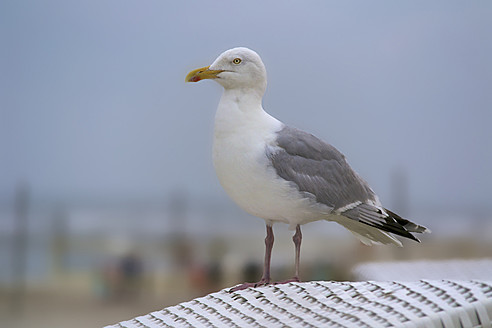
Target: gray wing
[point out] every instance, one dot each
(318, 168)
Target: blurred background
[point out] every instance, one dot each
(109, 205)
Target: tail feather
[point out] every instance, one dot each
(385, 220)
(368, 235)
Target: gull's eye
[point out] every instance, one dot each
(236, 61)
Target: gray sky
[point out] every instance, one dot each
(94, 104)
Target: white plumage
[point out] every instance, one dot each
(282, 174)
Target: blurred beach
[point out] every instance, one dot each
(118, 260)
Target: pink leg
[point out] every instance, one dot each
(265, 279)
(297, 238)
(269, 239)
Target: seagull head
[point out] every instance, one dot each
(237, 68)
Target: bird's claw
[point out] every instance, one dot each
(294, 279)
(262, 283)
(246, 285)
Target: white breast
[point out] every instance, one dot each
(239, 155)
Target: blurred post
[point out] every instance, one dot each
(60, 241)
(181, 248)
(399, 191)
(19, 249)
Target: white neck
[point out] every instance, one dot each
(240, 110)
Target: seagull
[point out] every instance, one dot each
(282, 174)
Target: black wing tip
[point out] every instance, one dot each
(414, 238)
(393, 228)
(399, 226)
(400, 232)
(407, 224)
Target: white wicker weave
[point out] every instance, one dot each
(425, 303)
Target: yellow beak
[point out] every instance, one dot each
(202, 74)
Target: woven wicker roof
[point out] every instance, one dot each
(425, 303)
